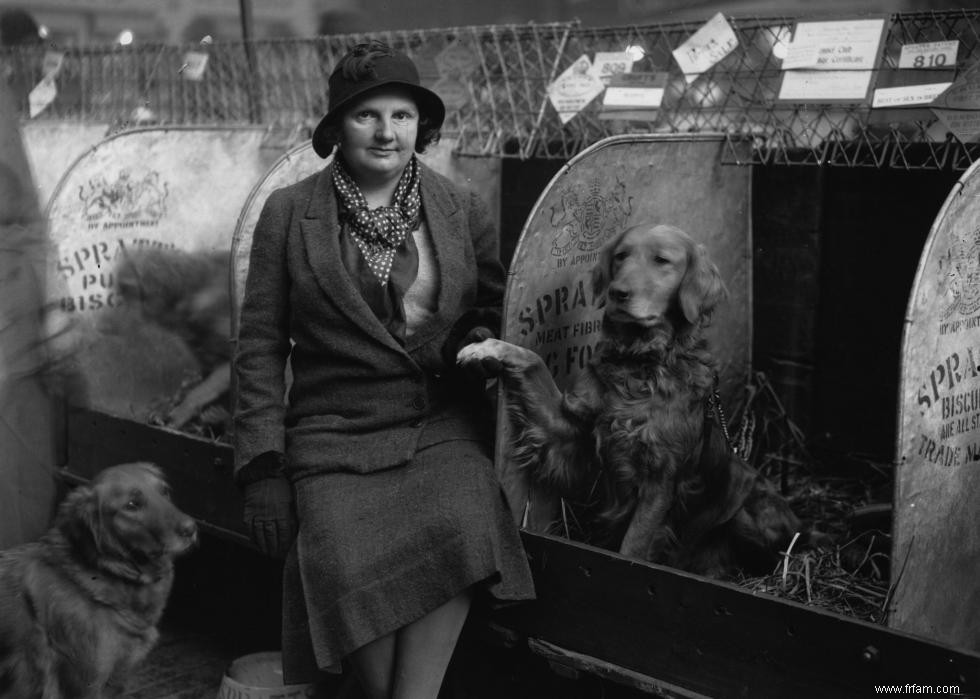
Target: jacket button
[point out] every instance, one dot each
(418, 402)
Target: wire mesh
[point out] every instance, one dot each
(494, 80)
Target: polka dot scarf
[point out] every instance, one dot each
(379, 232)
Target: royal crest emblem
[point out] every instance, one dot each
(588, 216)
(959, 275)
(125, 199)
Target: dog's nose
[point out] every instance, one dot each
(618, 294)
(187, 529)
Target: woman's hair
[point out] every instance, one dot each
(358, 64)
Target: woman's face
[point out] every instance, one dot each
(377, 135)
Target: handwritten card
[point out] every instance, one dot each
(706, 47)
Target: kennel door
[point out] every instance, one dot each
(616, 183)
(936, 546)
(180, 187)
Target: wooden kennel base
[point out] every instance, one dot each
(658, 630)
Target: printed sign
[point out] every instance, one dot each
(801, 55)
(708, 46)
(825, 85)
(635, 96)
(178, 188)
(574, 89)
(938, 471)
(840, 45)
(934, 54)
(43, 94)
(908, 95)
(195, 63)
(965, 125)
(607, 64)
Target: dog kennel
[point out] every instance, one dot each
(819, 216)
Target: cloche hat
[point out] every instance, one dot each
(352, 78)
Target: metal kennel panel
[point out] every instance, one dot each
(179, 188)
(619, 182)
(937, 494)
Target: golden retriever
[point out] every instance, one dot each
(637, 426)
(79, 608)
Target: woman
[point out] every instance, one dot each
(369, 276)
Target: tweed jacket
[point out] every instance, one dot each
(359, 400)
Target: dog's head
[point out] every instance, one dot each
(652, 275)
(185, 292)
(125, 522)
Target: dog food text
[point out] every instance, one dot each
(88, 267)
(554, 305)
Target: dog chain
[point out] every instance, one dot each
(714, 406)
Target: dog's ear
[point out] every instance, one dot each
(77, 519)
(702, 288)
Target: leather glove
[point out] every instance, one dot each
(270, 512)
(477, 334)
(488, 367)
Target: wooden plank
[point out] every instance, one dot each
(648, 685)
(199, 470)
(716, 638)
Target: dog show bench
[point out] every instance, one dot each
(655, 629)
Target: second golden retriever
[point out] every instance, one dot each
(79, 609)
(637, 426)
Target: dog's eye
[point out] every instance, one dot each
(621, 255)
(135, 502)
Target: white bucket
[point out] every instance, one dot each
(259, 676)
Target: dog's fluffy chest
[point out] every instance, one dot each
(649, 414)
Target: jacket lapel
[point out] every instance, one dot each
(321, 237)
(442, 217)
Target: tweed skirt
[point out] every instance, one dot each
(378, 551)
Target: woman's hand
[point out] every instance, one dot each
(270, 513)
